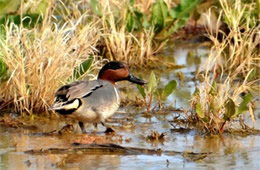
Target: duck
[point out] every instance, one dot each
(94, 101)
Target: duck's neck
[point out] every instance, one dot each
(106, 79)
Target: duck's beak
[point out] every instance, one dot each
(135, 80)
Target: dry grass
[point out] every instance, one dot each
(134, 48)
(230, 60)
(39, 60)
(241, 54)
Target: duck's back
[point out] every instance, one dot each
(77, 89)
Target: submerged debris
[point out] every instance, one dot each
(68, 129)
(111, 148)
(155, 136)
(94, 139)
(28, 163)
(86, 139)
(7, 120)
(181, 130)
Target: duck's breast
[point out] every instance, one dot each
(101, 103)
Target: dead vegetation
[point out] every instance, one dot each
(42, 58)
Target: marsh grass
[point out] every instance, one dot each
(41, 59)
(230, 70)
(134, 48)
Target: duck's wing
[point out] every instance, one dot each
(77, 89)
(67, 94)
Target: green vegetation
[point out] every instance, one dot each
(28, 13)
(220, 98)
(152, 90)
(163, 20)
(217, 107)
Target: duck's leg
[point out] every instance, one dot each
(82, 127)
(95, 126)
(109, 129)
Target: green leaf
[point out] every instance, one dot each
(42, 7)
(213, 90)
(129, 22)
(83, 68)
(133, 20)
(196, 14)
(179, 23)
(95, 7)
(141, 90)
(199, 111)
(152, 84)
(9, 6)
(183, 9)
(196, 92)
(132, 2)
(251, 74)
(145, 22)
(257, 9)
(139, 19)
(29, 20)
(159, 15)
(169, 88)
(230, 109)
(243, 105)
(181, 14)
(3, 68)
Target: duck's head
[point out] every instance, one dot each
(115, 71)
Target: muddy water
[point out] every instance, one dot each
(219, 151)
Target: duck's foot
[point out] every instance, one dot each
(110, 130)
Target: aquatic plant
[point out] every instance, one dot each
(217, 104)
(230, 78)
(151, 92)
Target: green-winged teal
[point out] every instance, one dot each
(96, 100)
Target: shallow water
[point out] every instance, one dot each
(221, 151)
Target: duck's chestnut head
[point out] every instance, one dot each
(115, 71)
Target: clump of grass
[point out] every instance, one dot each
(230, 75)
(242, 40)
(40, 59)
(135, 49)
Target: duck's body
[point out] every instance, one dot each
(99, 97)
(93, 101)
